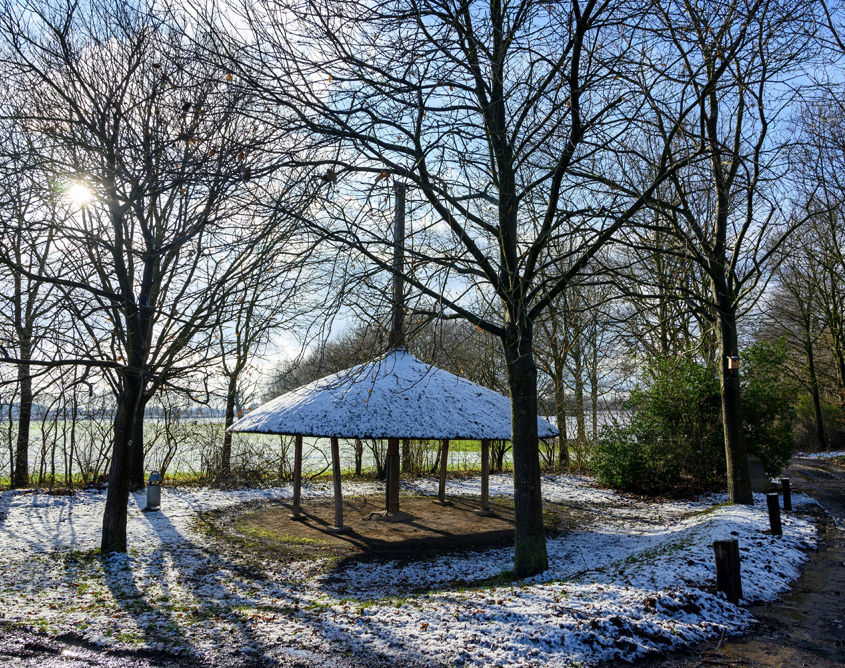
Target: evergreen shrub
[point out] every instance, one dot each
(674, 441)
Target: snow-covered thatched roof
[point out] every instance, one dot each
(395, 396)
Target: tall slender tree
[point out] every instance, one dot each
(157, 152)
(739, 60)
(487, 110)
(30, 309)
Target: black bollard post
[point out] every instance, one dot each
(728, 578)
(787, 493)
(773, 502)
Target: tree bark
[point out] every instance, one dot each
(114, 516)
(530, 555)
(834, 318)
(226, 450)
(21, 472)
(558, 365)
(739, 481)
(594, 391)
(359, 456)
(499, 450)
(821, 437)
(580, 421)
(560, 416)
(406, 456)
(839, 356)
(137, 481)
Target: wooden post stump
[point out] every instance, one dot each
(773, 503)
(485, 480)
(444, 460)
(297, 479)
(391, 472)
(338, 493)
(728, 579)
(787, 493)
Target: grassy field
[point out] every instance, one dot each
(59, 452)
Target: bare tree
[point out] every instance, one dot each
(818, 169)
(165, 150)
(738, 60)
(487, 111)
(270, 298)
(793, 311)
(29, 309)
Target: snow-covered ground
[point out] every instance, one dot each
(821, 455)
(638, 581)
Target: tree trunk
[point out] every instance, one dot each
(137, 481)
(499, 450)
(739, 482)
(114, 517)
(359, 456)
(226, 450)
(530, 555)
(560, 416)
(21, 472)
(594, 390)
(834, 318)
(580, 421)
(10, 426)
(406, 455)
(558, 362)
(839, 356)
(74, 419)
(821, 437)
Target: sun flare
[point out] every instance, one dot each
(79, 193)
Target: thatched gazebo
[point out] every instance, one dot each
(393, 397)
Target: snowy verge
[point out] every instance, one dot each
(837, 454)
(637, 580)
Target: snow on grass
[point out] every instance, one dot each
(638, 579)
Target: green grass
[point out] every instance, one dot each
(457, 446)
(262, 534)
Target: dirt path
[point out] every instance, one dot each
(806, 628)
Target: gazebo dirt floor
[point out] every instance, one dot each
(432, 527)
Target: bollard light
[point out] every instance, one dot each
(154, 491)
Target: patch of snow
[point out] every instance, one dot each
(821, 455)
(638, 582)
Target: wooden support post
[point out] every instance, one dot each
(444, 461)
(787, 493)
(728, 577)
(773, 503)
(392, 476)
(485, 479)
(297, 478)
(338, 494)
